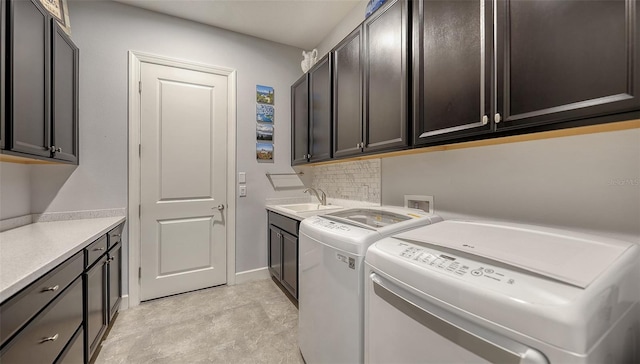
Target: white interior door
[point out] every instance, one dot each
(183, 131)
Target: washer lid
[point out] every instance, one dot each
(571, 258)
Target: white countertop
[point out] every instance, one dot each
(30, 251)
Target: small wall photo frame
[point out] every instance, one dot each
(264, 132)
(265, 94)
(60, 11)
(264, 113)
(264, 152)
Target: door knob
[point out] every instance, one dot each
(220, 207)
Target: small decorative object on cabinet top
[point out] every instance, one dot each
(59, 10)
(310, 58)
(372, 6)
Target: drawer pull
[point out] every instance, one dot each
(50, 338)
(111, 259)
(51, 289)
(98, 249)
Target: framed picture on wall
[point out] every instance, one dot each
(264, 132)
(60, 11)
(265, 94)
(264, 152)
(264, 113)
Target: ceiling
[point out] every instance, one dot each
(299, 23)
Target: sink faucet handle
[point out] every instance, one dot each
(323, 198)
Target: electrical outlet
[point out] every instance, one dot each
(420, 202)
(243, 191)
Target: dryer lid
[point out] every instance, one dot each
(573, 258)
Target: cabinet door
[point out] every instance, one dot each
(452, 47)
(114, 272)
(386, 78)
(320, 110)
(96, 304)
(290, 263)
(300, 121)
(3, 83)
(347, 96)
(65, 96)
(29, 68)
(565, 60)
(275, 252)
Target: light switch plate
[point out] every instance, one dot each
(242, 177)
(243, 191)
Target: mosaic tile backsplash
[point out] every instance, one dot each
(359, 180)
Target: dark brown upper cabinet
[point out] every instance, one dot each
(452, 46)
(370, 85)
(300, 121)
(41, 88)
(538, 63)
(64, 106)
(386, 83)
(566, 60)
(347, 96)
(320, 111)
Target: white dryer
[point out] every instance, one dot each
(479, 292)
(331, 283)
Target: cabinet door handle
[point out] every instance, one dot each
(51, 289)
(497, 118)
(50, 338)
(111, 260)
(98, 249)
(485, 120)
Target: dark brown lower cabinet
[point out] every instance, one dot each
(62, 316)
(114, 272)
(283, 251)
(74, 353)
(96, 301)
(44, 338)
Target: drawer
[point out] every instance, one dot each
(285, 223)
(115, 235)
(74, 353)
(20, 308)
(48, 334)
(96, 250)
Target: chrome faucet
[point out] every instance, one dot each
(321, 197)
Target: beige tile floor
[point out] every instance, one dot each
(247, 323)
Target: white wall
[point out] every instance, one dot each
(105, 31)
(346, 26)
(587, 182)
(15, 186)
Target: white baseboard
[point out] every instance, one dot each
(252, 275)
(124, 302)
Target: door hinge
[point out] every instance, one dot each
(139, 211)
(139, 150)
(139, 273)
(139, 86)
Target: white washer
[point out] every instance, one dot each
(479, 292)
(331, 283)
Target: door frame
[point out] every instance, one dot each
(135, 62)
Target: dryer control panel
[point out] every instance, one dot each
(454, 265)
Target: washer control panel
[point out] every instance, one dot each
(453, 265)
(331, 225)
